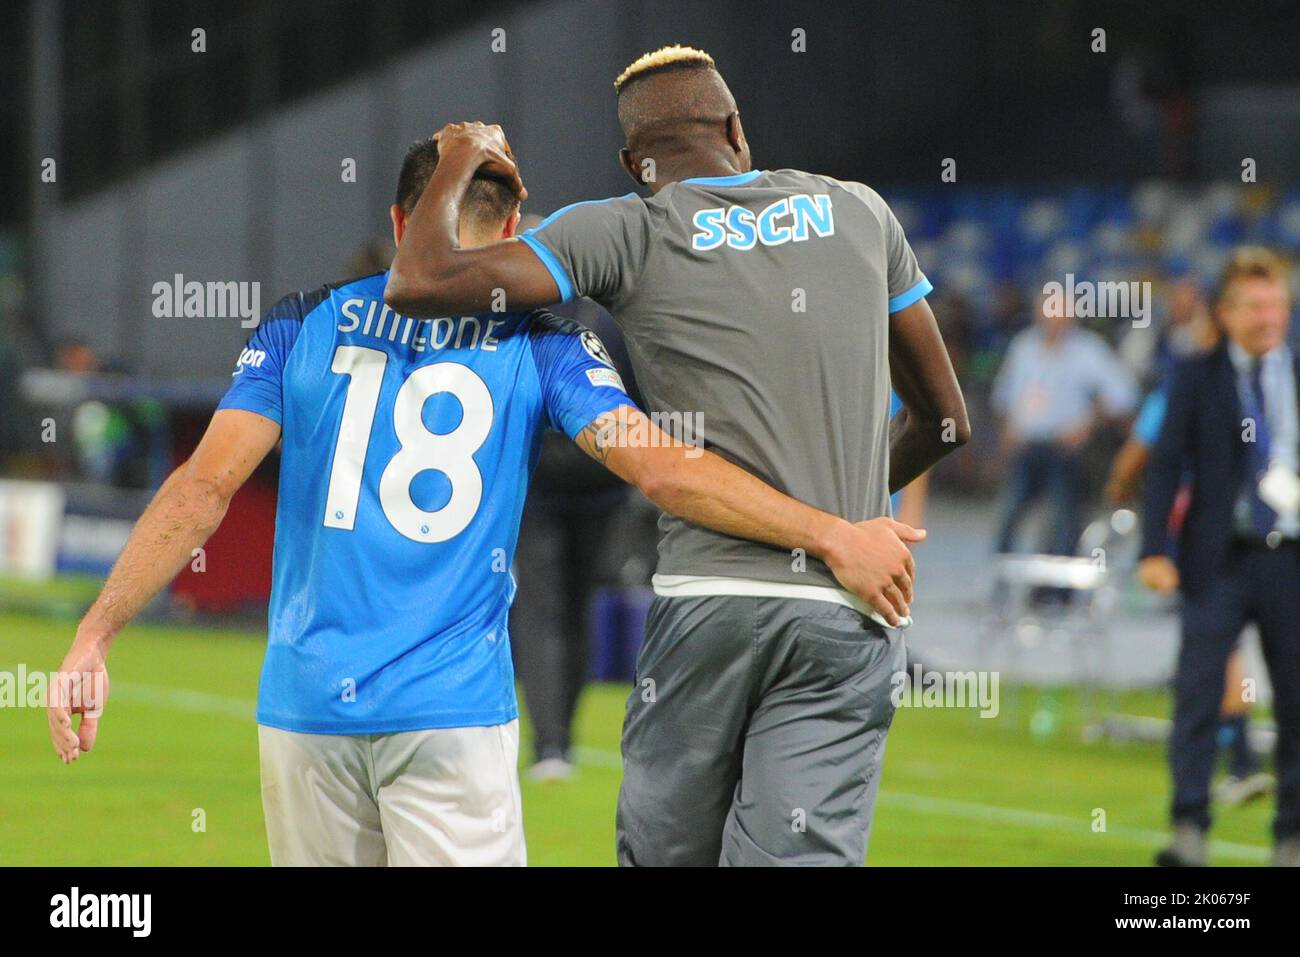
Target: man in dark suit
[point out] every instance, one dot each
(1233, 418)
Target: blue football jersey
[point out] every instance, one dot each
(407, 449)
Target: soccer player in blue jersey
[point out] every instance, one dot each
(387, 717)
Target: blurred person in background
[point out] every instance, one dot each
(76, 356)
(111, 439)
(1057, 385)
(1233, 417)
(562, 559)
(564, 544)
(1199, 335)
(1186, 330)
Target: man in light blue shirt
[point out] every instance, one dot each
(1055, 384)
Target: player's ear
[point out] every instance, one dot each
(398, 216)
(736, 137)
(629, 164)
(511, 226)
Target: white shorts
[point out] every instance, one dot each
(440, 797)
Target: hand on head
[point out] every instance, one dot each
(488, 143)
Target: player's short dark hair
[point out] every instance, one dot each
(487, 202)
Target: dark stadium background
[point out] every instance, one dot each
(225, 165)
(244, 137)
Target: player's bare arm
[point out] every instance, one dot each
(870, 559)
(182, 515)
(933, 421)
(431, 274)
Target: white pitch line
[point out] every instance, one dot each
(1059, 823)
(204, 703)
(183, 700)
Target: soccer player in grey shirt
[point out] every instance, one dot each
(767, 309)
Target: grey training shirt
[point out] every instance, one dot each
(755, 308)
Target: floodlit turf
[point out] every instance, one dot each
(178, 742)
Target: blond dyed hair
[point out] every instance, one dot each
(664, 57)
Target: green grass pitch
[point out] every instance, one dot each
(178, 738)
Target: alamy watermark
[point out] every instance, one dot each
(31, 689)
(179, 298)
(656, 430)
(946, 689)
(133, 912)
(1085, 299)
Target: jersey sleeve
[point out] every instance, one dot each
(907, 284)
(579, 382)
(259, 370)
(593, 248)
